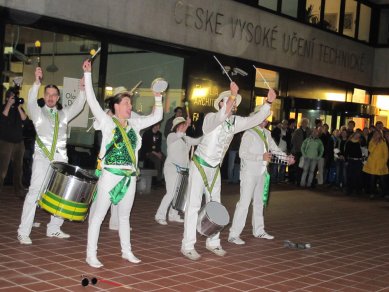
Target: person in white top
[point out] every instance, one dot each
(178, 147)
(119, 148)
(50, 145)
(255, 152)
(219, 129)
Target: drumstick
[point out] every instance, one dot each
(187, 108)
(264, 80)
(94, 53)
(223, 68)
(135, 87)
(38, 51)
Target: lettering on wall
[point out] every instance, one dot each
(266, 37)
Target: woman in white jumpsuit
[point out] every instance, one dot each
(255, 152)
(50, 145)
(178, 147)
(117, 182)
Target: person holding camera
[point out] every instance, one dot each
(11, 139)
(51, 124)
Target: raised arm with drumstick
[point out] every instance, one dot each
(51, 122)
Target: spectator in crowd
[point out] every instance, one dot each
(233, 157)
(312, 150)
(353, 157)
(350, 128)
(340, 160)
(151, 151)
(12, 117)
(298, 138)
(323, 165)
(330, 157)
(178, 112)
(376, 165)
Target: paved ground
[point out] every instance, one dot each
(349, 238)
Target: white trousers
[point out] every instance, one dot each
(101, 205)
(39, 168)
(170, 173)
(251, 189)
(196, 189)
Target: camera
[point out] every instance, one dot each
(16, 91)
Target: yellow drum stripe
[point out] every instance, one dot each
(55, 212)
(63, 206)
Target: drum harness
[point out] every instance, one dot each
(265, 197)
(50, 155)
(199, 162)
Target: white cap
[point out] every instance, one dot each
(177, 121)
(223, 96)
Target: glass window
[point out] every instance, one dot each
(290, 7)
(364, 23)
(270, 4)
(312, 11)
(360, 96)
(331, 15)
(350, 13)
(383, 36)
(61, 59)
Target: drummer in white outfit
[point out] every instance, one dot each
(255, 152)
(47, 148)
(178, 147)
(117, 182)
(219, 129)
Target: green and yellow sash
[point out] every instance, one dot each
(199, 162)
(50, 155)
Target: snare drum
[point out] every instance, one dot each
(67, 191)
(159, 85)
(213, 217)
(180, 190)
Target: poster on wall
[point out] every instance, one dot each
(71, 88)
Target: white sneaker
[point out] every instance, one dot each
(94, 262)
(161, 221)
(24, 239)
(58, 234)
(176, 219)
(264, 235)
(131, 258)
(237, 240)
(219, 251)
(191, 254)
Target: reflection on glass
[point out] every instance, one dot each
(364, 23)
(383, 34)
(312, 11)
(290, 7)
(350, 13)
(270, 4)
(331, 15)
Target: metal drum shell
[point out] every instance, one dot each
(206, 225)
(70, 183)
(180, 191)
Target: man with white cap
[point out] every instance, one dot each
(178, 147)
(255, 152)
(219, 129)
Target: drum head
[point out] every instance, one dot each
(159, 85)
(217, 213)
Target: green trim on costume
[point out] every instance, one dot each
(262, 136)
(50, 155)
(266, 186)
(119, 190)
(199, 162)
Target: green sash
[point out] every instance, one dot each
(50, 155)
(199, 162)
(266, 185)
(119, 190)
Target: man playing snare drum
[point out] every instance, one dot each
(50, 122)
(204, 172)
(255, 152)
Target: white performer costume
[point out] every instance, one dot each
(108, 180)
(178, 147)
(44, 122)
(218, 129)
(252, 173)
